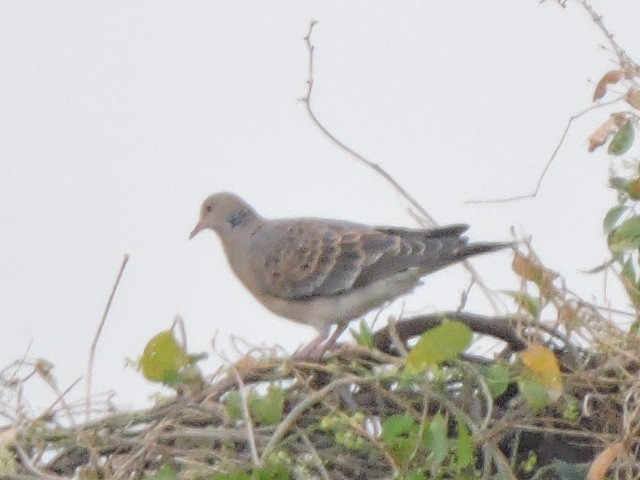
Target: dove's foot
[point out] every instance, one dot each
(316, 349)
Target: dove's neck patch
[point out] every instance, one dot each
(239, 217)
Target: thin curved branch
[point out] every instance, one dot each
(500, 327)
(374, 166)
(96, 338)
(430, 221)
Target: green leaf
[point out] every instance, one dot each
(529, 303)
(629, 277)
(399, 434)
(530, 464)
(572, 410)
(534, 393)
(197, 357)
(233, 403)
(396, 426)
(635, 327)
(437, 440)
(166, 472)
(622, 140)
(570, 471)
(612, 217)
(415, 475)
(442, 343)
(598, 268)
(619, 183)
(626, 236)
(8, 461)
(268, 409)
(364, 336)
(629, 271)
(618, 257)
(237, 475)
(464, 446)
(498, 377)
(163, 359)
(271, 472)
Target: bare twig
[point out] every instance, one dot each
(625, 60)
(552, 158)
(96, 338)
(396, 341)
(248, 420)
(499, 327)
(374, 166)
(29, 465)
(20, 363)
(427, 219)
(198, 435)
(177, 322)
(290, 420)
(314, 452)
(626, 63)
(61, 399)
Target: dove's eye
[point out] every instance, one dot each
(209, 208)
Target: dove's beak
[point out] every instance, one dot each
(198, 228)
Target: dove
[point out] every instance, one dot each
(322, 272)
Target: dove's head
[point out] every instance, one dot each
(223, 212)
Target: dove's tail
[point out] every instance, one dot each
(473, 249)
(479, 248)
(460, 252)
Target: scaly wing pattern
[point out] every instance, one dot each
(307, 258)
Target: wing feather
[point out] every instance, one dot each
(305, 258)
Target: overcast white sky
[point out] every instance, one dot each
(119, 118)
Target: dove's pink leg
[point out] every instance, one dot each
(307, 351)
(315, 349)
(330, 343)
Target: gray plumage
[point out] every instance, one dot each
(324, 272)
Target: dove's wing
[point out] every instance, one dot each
(305, 258)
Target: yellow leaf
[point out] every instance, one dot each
(542, 366)
(530, 269)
